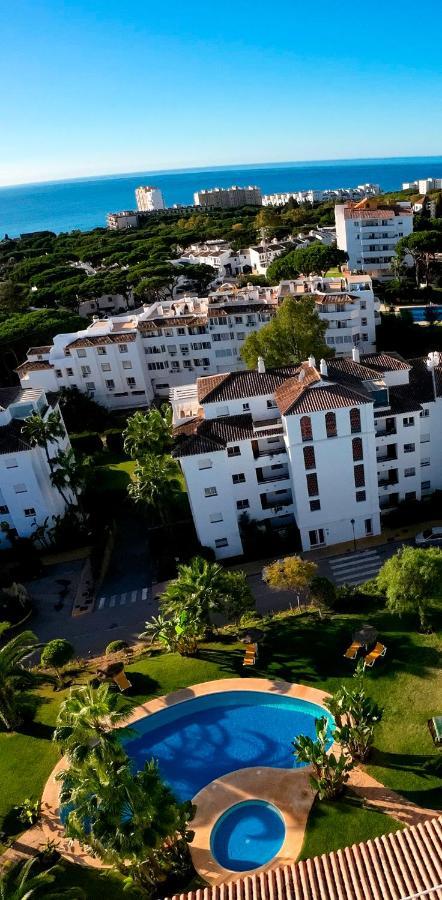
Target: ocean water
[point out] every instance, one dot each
(83, 203)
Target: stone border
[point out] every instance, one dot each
(286, 788)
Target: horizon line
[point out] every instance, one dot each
(214, 167)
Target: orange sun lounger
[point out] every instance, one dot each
(122, 681)
(352, 650)
(379, 650)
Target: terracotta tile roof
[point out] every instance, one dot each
(326, 397)
(397, 866)
(99, 340)
(347, 369)
(9, 395)
(292, 388)
(237, 385)
(34, 351)
(178, 321)
(11, 439)
(33, 365)
(385, 361)
(209, 435)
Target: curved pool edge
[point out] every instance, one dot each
(72, 851)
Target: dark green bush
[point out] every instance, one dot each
(87, 442)
(115, 647)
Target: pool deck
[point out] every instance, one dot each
(287, 789)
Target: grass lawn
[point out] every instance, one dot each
(298, 648)
(115, 474)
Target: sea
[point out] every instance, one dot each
(83, 203)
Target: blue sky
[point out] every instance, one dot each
(113, 86)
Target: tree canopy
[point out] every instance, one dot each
(422, 247)
(295, 332)
(315, 259)
(411, 580)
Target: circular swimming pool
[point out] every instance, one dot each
(247, 835)
(201, 739)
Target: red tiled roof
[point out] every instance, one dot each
(237, 385)
(99, 340)
(291, 389)
(209, 435)
(34, 351)
(385, 361)
(397, 866)
(326, 397)
(33, 365)
(11, 438)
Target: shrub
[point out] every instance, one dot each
(114, 440)
(56, 654)
(323, 591)
(115, 647)
(88, 442)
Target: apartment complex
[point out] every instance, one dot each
(124, 361)
(27, 495)
(149, 199)
(369, 231)
(228, 198)
(118, 221)
(423, 185)
(316, 196)
(328, 446)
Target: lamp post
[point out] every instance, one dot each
(354, 538)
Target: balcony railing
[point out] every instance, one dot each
(391, 429)
(274, 452)
(268, 479)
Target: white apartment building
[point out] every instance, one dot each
(149, 199)
(369, 231)
(423, 185)
(328, 446)
(261, 256)
(228, 198)
(124, 361)
(318, 196)
(118, 221)
(27, 496)
(229, 263)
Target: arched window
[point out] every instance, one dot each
(330, 424)
(306, 428)
(358, 452)
(309, 458)
(355, 420)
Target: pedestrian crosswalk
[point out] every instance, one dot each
(355, 568)
(124, 599)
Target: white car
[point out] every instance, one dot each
(428, 537)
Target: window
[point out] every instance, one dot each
(271, 404)
(312, 485)
(424, 413)
(30, 511)
(360, 496)
(90, 385)
(131, 382)
(246, 407)
(425, 461)
(316, 537)
(425, 485)
(309, 457)
(355, 420)
(205, 464)
(358, 451)
(69, 372)
(215, 517)
(242, 504)
(11, 464)
(181, 331)
(409, 448)
(58, 373)
(110, 384)
(20, 488)
(408, 421)
(315, 505)
(127, 364)
(306, 428)
(81, 353)
(409, 472)
(4, 510)
(359, 476)
(222, 410)
(221, 542)
(330, 425)
(105, 367)
(410, 495)
(368, 526)
(239, 478)
(101, 351)
(122, 348)
(210, 492)
(233, 451)
(85, 371)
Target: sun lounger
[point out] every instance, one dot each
(352, 650)
(122, 681)
(378, 650)
(435, 726)
(249, 661)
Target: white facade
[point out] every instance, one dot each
(228, 198)
(369, 232)
(27, 496)
(328, 447)
(149, 199)
(423, 185)
(317, 196)
(124, 361)
(107, 303)
(118, 221)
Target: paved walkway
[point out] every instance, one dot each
(376, 796)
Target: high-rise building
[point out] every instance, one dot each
(149, 198)
(228, 198)
(369, 231)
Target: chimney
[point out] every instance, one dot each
(261, 366)
(323, 368)
(311, 361)
(355, 355)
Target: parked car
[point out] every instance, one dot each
(428, 537)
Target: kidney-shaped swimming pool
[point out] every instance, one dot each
(201, 739)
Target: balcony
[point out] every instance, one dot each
(262, 450)
(386, 453)
(267, 476)
(388, 479)
(274, 425)
(276, 502)
(386, 429)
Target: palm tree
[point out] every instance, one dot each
(13, 677)
(87, 722)
(180, 633)
(156, 483)
(149, 432)
(200, 586)
(41, 432)
(329, 772)
(18, 882)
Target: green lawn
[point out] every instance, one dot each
(299, 648)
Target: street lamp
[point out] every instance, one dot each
(354, 538)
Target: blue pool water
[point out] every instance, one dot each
(206, 737)
(419, 315)
(247, 835)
